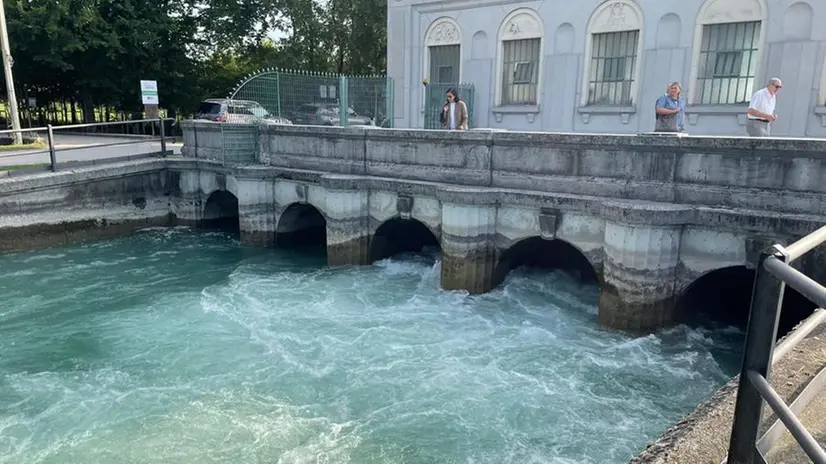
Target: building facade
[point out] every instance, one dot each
(599, 66)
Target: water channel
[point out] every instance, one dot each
(178, 346)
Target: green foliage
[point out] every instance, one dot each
(94, 52)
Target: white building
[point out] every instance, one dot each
(599, 66)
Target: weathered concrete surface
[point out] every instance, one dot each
(786, 450)
(65, 206)
(702, 437)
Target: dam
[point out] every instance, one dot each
(373, 295)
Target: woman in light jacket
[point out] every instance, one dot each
(454, 113)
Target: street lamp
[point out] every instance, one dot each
(7, 64)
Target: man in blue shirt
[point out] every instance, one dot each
(670, 110)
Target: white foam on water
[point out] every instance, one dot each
(198, 352)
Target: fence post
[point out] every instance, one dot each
(343, 104)
(52, 155)
(278, 92)
(162, 132)
(761, 333)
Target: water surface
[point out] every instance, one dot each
(171, 346)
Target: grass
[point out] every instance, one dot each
(24, 146)
(22, 166)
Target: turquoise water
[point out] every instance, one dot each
(171, 346)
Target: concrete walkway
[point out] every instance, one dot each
(786, 450)
(85, 148)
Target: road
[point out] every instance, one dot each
(85, 148)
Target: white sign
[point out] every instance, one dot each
(151, 86)
(149, 92)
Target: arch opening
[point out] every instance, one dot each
(399, 235)
(302, 226)
(723, 296)
(221, 213)
(536, 252)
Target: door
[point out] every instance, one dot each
(444, 74)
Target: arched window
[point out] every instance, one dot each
(520, 50)
(443, 58)
(728, 41)
(612, 49)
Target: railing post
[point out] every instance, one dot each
(342, 99)
(52, 155)
(761, 334)
(162, 133)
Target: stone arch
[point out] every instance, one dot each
(397, 235)
(669, 30)
(723, 295)
(301, 225)
(614, 16)
(443, 31)
(221, 212)
(536, 251)
(713, 12)
(519, 24)
(797, 22)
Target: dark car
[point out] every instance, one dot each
(327, 114)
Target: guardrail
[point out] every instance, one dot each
(52, 148)
(774, 272)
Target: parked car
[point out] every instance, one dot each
(237, 112)
(327, 114)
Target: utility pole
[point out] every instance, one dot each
(7, 64)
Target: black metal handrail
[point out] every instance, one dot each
(774, 272)
(52, 149)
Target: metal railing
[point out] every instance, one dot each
(52, 147)
(774, 272)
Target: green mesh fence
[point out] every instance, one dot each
(300, 97)
(435, 101)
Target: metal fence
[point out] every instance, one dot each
(774, 272)
(83, 144)
(277, 96)
(435, 102)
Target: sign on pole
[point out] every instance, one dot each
(149, 96)
(149, 92)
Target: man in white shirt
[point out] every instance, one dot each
(761, 109)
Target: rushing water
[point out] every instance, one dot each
(180, 347)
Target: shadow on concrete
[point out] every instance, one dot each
(401, 236)
(537, 252)
(221, 213)
(723, 296)
(302, 227)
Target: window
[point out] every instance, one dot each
(445, 74)
(613, 60)
(520, 75)
(728, 61)
(519, 63)
(613, 42)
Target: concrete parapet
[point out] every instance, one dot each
(736, 172)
